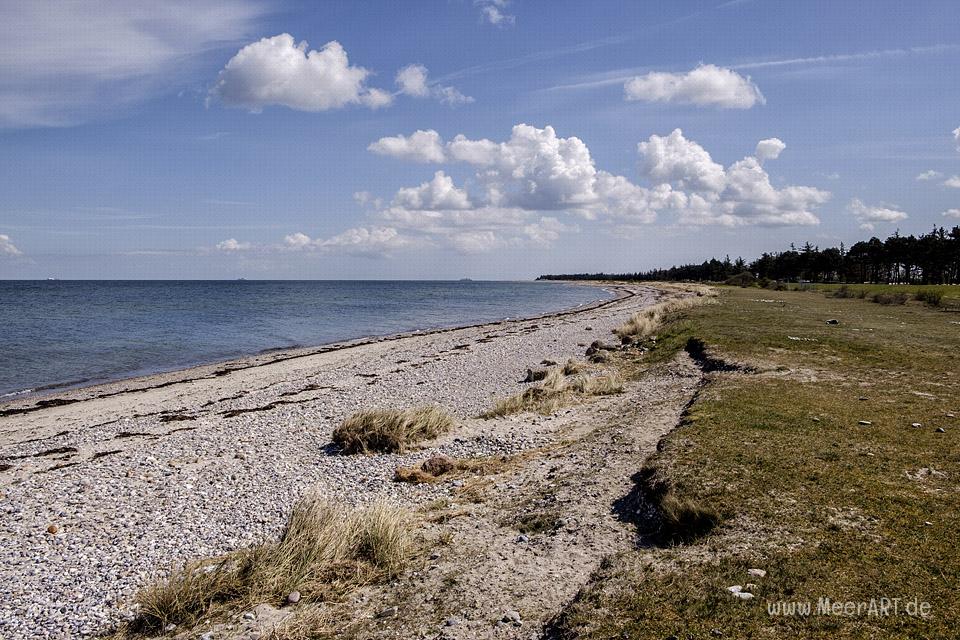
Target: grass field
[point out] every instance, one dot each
(826, 506)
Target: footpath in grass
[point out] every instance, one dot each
(834, 465)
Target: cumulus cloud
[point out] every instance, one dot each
(492, 12)
(929, 175)
(707, 85)
(232, 244)
(951, 213)
(521, 181)
(956, 136)
(421, 146)
(868, 215)
(769, 149)
(953, 182)
(62, 63)
(280, 71)
(413, 80)
(7, 248)
(360, 241)
(436, 195)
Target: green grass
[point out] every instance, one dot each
(826, 506)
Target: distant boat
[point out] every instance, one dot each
(51, 278)
(466, 279)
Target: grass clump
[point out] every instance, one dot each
(438, 467)
(930, 297)
(390, 430)
(557, 390)
(325, 552)
(644, 324)
(895, 298)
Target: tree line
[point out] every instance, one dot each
(932, 258)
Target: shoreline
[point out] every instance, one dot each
(54, 395)
(145, 473)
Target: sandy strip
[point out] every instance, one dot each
(137, 474)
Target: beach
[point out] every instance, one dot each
(105, 488)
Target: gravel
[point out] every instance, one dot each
(82, 530)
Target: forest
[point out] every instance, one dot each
(932, 258)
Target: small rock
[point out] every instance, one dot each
(916, 425)
(389, 612)
(522, 538)
(434, 556)
(816, 419)
(207, 636)
(451, 622)
(940, 430)
(862, 398)
(293, 597)
(53, 529)
(760, 573)
(737, 588)
(928, 523)
(588, 328)
(743, 595)
(249, 616)
(716, 632)
(512, 617)
(866, 423)
(833, 321)
(170, 627)
(950, 415)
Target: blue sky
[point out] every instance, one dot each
(204, 140)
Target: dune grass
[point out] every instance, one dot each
(827, 507)
(326, 551)
(559, 389)
(647, 322)
(390, 430)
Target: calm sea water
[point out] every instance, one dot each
(63, 333)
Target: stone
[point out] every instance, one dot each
(522, 538)
(512, 617)
(53, 529)
(940, 430)
(389, 612)
(816, 419)
(916, 425)
(451, 622)
(207, 636)
(737, 588)
(293, 597)
(865, 423)
(833, 321)
(170, 627)
(760, 573)
(743, 595)
(249, 616)
(950, 415)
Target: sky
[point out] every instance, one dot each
(490, 139)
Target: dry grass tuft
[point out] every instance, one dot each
(557, 390)
(326, 551)
(572, 367)
(645, 323)
(390, 430)
(432, 469)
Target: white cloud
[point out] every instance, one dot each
(929, 175)
(492, 12)
(536, 172)
(706, 193)
(62, 63)
(421, 146)
(7, 248)
(867, 215)
(413, 80)
(675, 159)
(232, 244)
(297, 241)
(707, 85)
(435, 195)
(769, 149)
(475, 241)
(956, 136)
(279, 71)
(951, 213)
(362, 241)
(953, 182)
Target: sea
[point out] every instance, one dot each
(57, 334)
